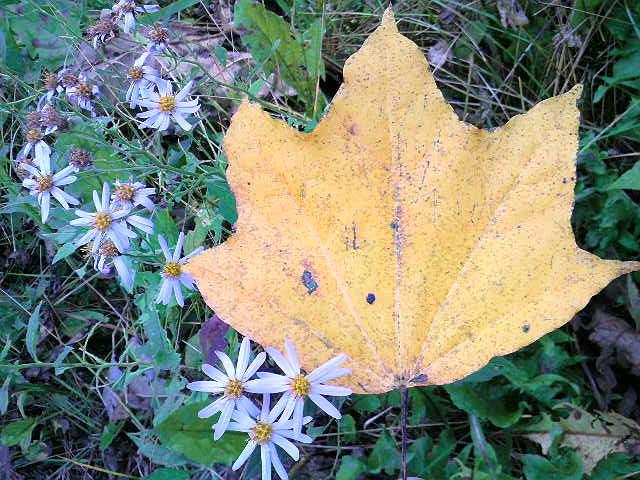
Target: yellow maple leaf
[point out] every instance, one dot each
(417, 244)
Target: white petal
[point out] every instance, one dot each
(329, 375)
(243, 357)
(141, 223)
(180, 120)
(297, 416)
(254, 366)
(280, 405)
(325, 405)
(46, 202)
(164, 247)
(164, 295)
(227, 364)
(332, 390)
(186, 90)
(282, 362)
(265, 455)
(63, 173)
(178, 251)
(210, 409)
(267, 385)
(123, 272)
(177, 291)
(206, 386)
(248, 406)
(327, 366)
(244, 455)
(277, 464)
(292, 355)
(223, 421)
(287, 446)
(58, 195)
(214, 373)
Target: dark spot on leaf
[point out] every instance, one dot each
(309, 282)
(526, 328)
(371, 298)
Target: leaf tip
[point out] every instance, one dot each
(388, 18)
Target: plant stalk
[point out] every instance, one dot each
(404, 400)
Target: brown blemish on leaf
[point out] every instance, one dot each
(480, 240)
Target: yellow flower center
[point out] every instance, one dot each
(167, 104)
(102, 221)
(34, 136)
(109, 249)
(172, 269)
(234, 389)
(125, 192)
(301, 386)
(136, 73)
(262, 432)
(45, 183)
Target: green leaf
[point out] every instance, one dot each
(158, 346)
(366, 403)
(64, 251)
(565, 465)
(18, 432)
(629, 180)
(169, 11)
(384, 456)
(350, 468)
(616, 467)
(109, 433)
(168, 474)
(295, 58)
(348, 428)
(497, 403)
(185, 433)
(33, 332)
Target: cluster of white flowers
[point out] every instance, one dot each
(112, 226)
(269, 427)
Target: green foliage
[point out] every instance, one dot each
(191, 436)
(563, 465)
(296, 57)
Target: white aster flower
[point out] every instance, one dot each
(109, 256)
(230, 386)
(266, 432)
(126, 10)
(164, 106)
(35, 145)
(129, 194)
(297, 386)
(106, 223)
(46, 184)
(83, 93)
(172, 275)
(143, 77)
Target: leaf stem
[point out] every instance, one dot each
(404, 400)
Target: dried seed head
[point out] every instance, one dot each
(68, 79)
(34, 120)
(135, 73)
(125, 192)
(126, 7)
(44, 184)
(34, 135)
(83, 89)
(262, 432)
(109, 249)
(157, 33)
(52, 118)
(80, 158)
(167, 104)
(172, 269)
(105, 27)
(50, 80)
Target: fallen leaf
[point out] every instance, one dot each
(211, 338)
(616, 338)
(417, 244)
(592, 436)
